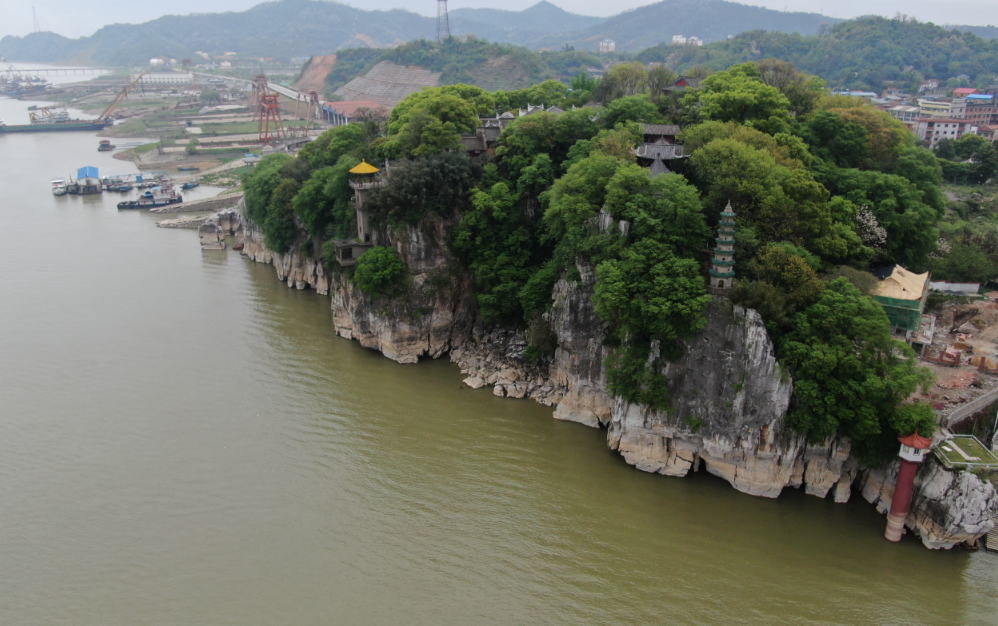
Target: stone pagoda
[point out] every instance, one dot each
(722, 266)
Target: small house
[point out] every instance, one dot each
(902, 294)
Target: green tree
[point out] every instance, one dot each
(964, 263)
(324, 202)
(833, 139)
(638, 108)
(851, 376)
(803, 91)
(665, 208)
(437, 185)
(980, 153)
(944, 149)
(778, 203)
(331, 145)
(279, 228)
(624, 79)
(548, 93)
(494, 240)
(898, 207)
(378, 271)
(578, 196)
(542, 133)
(788, 150)
(260, 183)
(739, 95)
(441, 103)
(429, 123)
(660, 77)
(210, 95)
(648, 296)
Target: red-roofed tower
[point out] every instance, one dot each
(913, 450)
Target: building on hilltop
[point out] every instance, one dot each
(658, 147)
(722, 265)
(681, 84)
(607, 45)
(931, 130)
(982, 109)
(905, 114)
(902, 294)
(364, 178)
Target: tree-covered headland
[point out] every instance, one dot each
(823, 187)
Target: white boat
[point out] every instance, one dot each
(59, 187)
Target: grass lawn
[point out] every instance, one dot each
(965, 452)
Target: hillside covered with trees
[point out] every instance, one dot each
(823, 187)
(291, 28)
(472, 61)
(864, 54)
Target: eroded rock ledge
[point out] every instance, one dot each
(730, 396)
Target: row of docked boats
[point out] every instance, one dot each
(152, 196)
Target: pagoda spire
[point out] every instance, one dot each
(722, 265)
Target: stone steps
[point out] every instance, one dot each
(992, 540)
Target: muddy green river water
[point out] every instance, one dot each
(183, 440)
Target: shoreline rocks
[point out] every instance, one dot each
(730, 395)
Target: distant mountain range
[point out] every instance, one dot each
(294, 28)
(709, 20)
(301, 28)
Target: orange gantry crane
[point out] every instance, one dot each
(120, 98)
(270, 111)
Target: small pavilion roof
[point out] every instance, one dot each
(914, 440)
(364, 168)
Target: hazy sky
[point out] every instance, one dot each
(74, 18)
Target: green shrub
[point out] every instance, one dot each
(378, 271)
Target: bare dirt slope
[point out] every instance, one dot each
(314, 78)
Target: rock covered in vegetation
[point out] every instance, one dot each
(430, 315)
(729, 395)
(947, 507)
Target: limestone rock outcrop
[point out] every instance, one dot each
(729, 394)
(433, 316)
(215, 228)
(947, 507)
(299, 268)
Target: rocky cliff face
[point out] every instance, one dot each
(947, 507)
(729, 395)
(432, 314)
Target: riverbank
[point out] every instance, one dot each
(178, 424)
(730, 396)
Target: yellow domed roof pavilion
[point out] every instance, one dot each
(364, 168)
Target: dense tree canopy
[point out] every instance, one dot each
(851, 375)
(822, 186)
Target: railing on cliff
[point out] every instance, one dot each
(975, 405)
